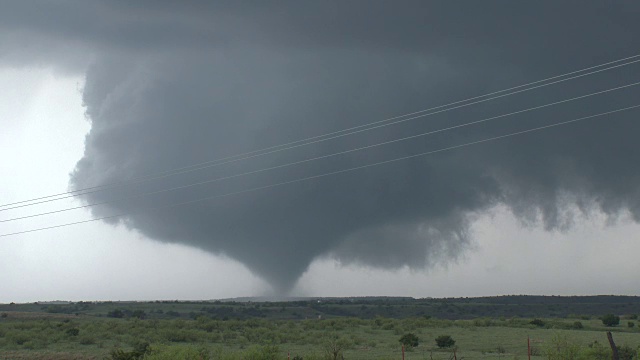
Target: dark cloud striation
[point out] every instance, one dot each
(173, 84)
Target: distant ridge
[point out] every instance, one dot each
(363, 307)
(309, 298)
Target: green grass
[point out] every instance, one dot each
(24, 337)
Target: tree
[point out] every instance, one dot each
(409, 340)
(140, 314)
(611, 320)
(334, 347)
(445, 341)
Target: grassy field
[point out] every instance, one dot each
(194, 331)
(83, 337)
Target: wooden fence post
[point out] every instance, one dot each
(614, 348)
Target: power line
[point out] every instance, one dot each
(333, 172)
(328, 155)
(323, 137)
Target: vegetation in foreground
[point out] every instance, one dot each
(146, 331)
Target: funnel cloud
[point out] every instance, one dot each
(174, 84)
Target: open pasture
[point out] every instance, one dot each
(226, 331)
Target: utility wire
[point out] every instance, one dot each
(329, 155)
(333, 172)
(321, 138)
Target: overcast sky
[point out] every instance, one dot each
(95, 93)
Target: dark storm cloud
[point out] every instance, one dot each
(172, 84)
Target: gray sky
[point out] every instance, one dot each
(100, 92)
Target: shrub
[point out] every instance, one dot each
(409, 340)
(119, 354)
(445, 341)
(73, 332)
(577, 325)
(483, 322)
(269, 352)
(117, 313)
(631, 324)
(537, 322)
(597, 351)
(139, 351)
(626, 352)
(611, 320)
(140, 314)
(561, 349)
(180, 335)
(334, 346)
(21, 338)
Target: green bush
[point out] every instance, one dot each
(139, 351)
(537, 322)
(409, 340)
(445, 341)
(597, 351)
(626, 352)
(334, 346)
(577, 325)
(486, 322)
(140, 314)
(117, 313)
(269, 352)
(21, 338)
(560, 348)
(611, 320)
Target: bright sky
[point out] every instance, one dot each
(45, 128)
(42, 130)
